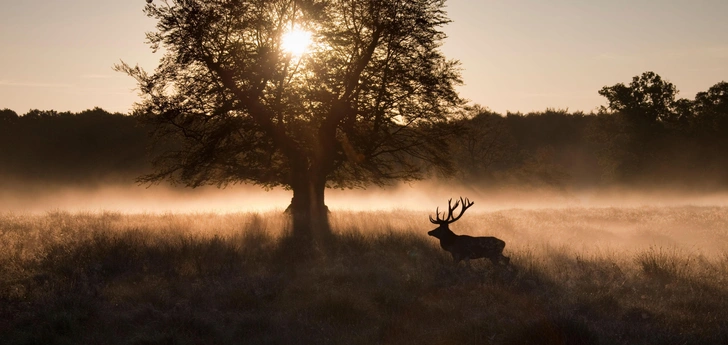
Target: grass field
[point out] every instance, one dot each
(578, 276)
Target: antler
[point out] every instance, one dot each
(450, 219)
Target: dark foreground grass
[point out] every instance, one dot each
(211, 279)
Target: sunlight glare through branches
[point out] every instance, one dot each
(296, 42)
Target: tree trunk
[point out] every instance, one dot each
(308, 182)
(308, 210)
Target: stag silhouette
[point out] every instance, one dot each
(464, 247)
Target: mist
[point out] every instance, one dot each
(415, 196)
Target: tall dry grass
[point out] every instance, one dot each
(578, 276)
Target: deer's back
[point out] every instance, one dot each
(478, 247)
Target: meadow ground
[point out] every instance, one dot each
(578, 276)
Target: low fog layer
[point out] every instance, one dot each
(418, 196)
(601, 223)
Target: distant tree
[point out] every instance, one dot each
(711, 109)
(545, 143)
(648, 99)
(96, 112)
(540, 168)
(34, 114)
(684, 115)
(641, 112)
(710, 126)
(484, 143)
(7, 115)
(366, 103)
(613, 139)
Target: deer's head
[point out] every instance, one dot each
(442, 229)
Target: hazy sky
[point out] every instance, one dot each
(517, 55)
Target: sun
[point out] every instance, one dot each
(296, 42)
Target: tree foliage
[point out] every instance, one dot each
(711, 109)
(355, 109)
(647, 99)
(7, 115)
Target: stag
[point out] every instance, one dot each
(464, 247)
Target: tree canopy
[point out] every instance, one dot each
(648, 98)
(365, 103)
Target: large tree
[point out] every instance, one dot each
(365, 103)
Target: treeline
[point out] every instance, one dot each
(92, 146)
(644, 136)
